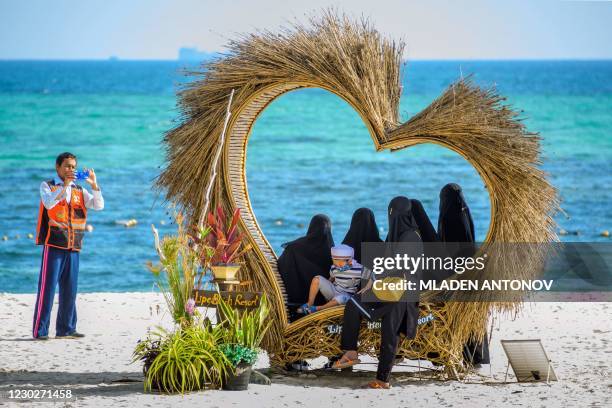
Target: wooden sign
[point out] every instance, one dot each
(238, 300)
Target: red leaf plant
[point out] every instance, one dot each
(224, 238)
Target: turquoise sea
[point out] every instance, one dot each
(309, 153)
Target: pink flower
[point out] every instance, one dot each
(190, 306)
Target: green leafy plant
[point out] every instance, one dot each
(175, 273)
(244, 327)
(237, 354)
(185, 360)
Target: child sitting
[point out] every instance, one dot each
(345, 276)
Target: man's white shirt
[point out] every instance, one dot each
(51, 198)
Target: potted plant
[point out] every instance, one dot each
(241, 360)
(243, 332)
(187, 359)
(223, 242)
(196, 354)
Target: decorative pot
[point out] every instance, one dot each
(239, 380)
(225, 272)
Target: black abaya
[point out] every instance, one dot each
(455, 224)
(397, 317)
(305, 258)
(403, 228)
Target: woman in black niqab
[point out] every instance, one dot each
(404, 228)
(396, 317)
(455, 224)
(363, 229)
(305, 258)
(402, 225)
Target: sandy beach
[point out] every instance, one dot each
(577, 336)
(285, 152)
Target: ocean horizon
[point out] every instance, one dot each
(309, 153)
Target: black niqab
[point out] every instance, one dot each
(455, 222)
(363, 229)
(305, 258)
(402, 225)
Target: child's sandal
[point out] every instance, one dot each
(305, 309)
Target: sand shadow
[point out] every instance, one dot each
(117, 384)
(21, 339)
(109, 384)
(347, 379)
(26, 339)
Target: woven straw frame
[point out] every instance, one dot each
(352, 60)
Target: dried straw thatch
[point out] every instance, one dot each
(352, 60)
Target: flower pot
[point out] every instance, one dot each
(155, 382)
(225, 272)
(239, 380)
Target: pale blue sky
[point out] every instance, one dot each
(434, 29)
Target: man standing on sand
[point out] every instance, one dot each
(61, 225)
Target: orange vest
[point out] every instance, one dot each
(63, 226)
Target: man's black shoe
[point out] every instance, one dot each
(74, 335)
